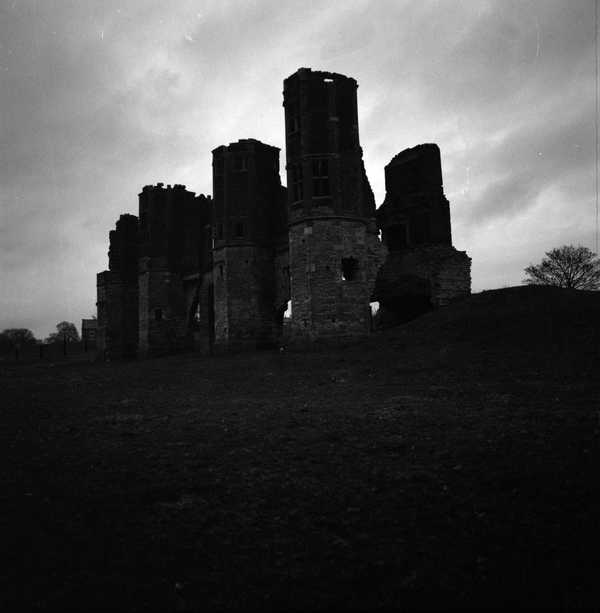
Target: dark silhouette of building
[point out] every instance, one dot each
(422, 270)
(334, 249)
(174, 244)
(117, 292)
(199, 273)
(89, 329)
(250, 229)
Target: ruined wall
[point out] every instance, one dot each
(422, 269)
(248, 223)
(109, 291)
(173, 252)
(333, 240)
(415, 210)
(332, 279)
(117, 292)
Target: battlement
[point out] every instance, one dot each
(161, 187)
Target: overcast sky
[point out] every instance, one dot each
(98, 98)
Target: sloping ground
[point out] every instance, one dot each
(532, 327)
(449, 462)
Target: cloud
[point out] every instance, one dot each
(98, 98)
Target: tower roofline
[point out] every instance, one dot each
(409, 152)
(246, 143)
(320, 74)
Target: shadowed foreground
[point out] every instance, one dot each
(449, 462)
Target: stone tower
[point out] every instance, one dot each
(249, 225)
(172, 246)
(422, 270)
(333, 246)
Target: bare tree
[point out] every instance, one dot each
(566, 266)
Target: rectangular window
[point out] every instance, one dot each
(320, 173)
(158, 314)
(349, 269)
(297, 188)
(239, 229)
(220, 231)
(293, 123)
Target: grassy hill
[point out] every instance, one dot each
(448, 462)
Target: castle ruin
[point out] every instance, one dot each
(218, 274)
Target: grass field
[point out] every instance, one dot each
(450, 462)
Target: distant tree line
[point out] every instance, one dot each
(17, 339)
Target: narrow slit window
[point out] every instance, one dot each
(297, 188)
(320, 174)
(293, 120)
(239, 229)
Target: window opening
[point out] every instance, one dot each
(320, 173)
(239, 229)
(297, 187)
(349, 269)
(293, 121)
(158, 314)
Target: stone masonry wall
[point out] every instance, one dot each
(110, 314)
(325, 304)
(440, 272)
(244, 297)
(162, 314)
